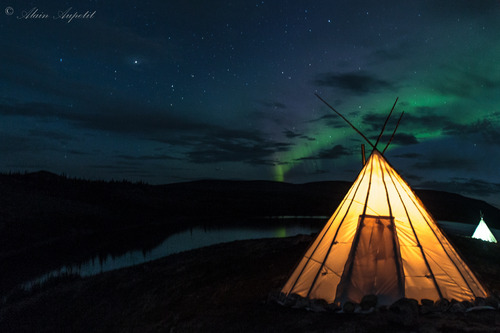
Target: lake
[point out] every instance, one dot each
(187, 240)
(200, 237)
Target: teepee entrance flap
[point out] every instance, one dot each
(374, 264)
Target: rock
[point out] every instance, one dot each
(333, 307)
(289, 300)
(467, 304)
(368, 302)
(442, 305)
(491, 301)
(301, 303)
(349, 307)
(427, 306)
(457, 307)
(425, 309)
(382, 308)
(405, 311)
(403, 304)
(318, 305)
(275, 296)
(427, 302)
(479, 301)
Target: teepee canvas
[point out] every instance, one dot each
(483, 232)
(381, 240)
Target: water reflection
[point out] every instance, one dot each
(200, 237)
(183, 241)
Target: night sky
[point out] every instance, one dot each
(170, 91)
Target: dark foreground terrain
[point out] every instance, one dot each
(223, 288)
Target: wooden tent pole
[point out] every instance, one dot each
(393, 133)
(363, 156)
(386, 120)
(347, 121)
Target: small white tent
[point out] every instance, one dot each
(483, 232)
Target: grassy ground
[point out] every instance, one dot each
(222, 288)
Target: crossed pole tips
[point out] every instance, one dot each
(374, 146)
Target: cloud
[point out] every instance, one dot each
(486, 129)
(126, 170)
(38, 110)
(27, 71)
(375, 123)
(158, 157)
(357, 82)
(232, 152)
(138, 119)
(409, 155)
(452, 8)
(78, 152)
(273, 105)
(400, 139)
(412, 177)
(201, 142)
(291, 134)
(410, 121)
(446, 163)
(36, 141)
(118, 118)
(264, 162)
(463, 185)
(463, 84)
(52, 135)
(332, 153)
(426, 119)
(385, 55)
(15, 143)
(231, 146)
(320, 172)
(330, 120)
(308, 138)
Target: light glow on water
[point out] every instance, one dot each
(182, 241)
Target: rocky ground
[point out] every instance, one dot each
(223, 288)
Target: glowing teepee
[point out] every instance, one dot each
(483, 232)
(381, 240)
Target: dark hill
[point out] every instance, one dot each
(265, 198)
(41, 206)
